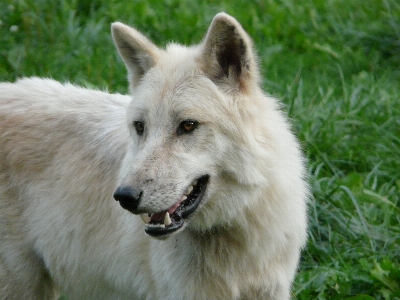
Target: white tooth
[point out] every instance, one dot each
(184, 197)
(155, 226)
(145, 218)
(189, 190)
(194, 183)
(167, 219)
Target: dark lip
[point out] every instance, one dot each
(184, 211)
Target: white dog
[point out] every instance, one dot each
(200, 155)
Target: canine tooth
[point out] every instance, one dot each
(184, 197)
(145, 218)
(194, 183)
(167, 219)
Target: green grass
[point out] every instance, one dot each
(334, 63)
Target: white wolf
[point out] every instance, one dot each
(200, 153)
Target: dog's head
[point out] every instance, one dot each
(192, 128)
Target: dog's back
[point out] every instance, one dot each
(47, 130)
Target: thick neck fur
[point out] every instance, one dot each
(220, 258)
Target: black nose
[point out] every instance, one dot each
(128, 197)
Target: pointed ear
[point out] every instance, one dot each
(227, 54)
(138, 53)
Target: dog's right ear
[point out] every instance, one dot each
(138, 53)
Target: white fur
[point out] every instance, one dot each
(64, 150)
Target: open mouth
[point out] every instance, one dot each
(168, 221)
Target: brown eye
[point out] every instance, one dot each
(139, 126)
(187, 126)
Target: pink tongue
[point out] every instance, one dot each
(158, 217)
(174, 207)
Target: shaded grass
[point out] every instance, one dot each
(336, 66)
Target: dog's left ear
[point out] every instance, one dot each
(138, 53)
(227, 53)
